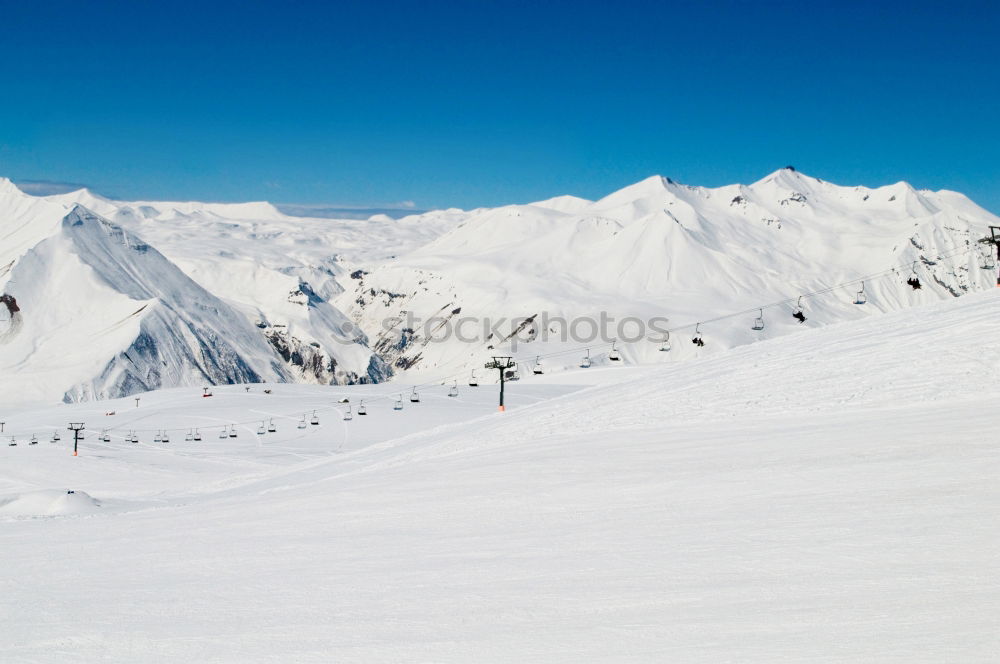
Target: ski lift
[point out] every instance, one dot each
(223, 434)
(133, 438)
(348, 416)
(798, 314)
(399, 403)
(472, 381)
(453, 392)
(585, 364)
(361, 408)
(55, 436)
(165, 438)
(414, 397)
(189, 437)
(665, 344)
(232, 432)
(696, 339)
(206, 391)
(12, 443)
(613, 355)
(261, 430)
(156, 437)
(537, 369)
(315, 420)
(270, 426)
(302, 423)
(197, 436)
(34, 440)
(913, 281)
(758, 323)
(861, 298)
(106, 437)
(987, 261)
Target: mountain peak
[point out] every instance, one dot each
(8, 187)
(650, 187)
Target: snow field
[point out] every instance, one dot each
(828, 496)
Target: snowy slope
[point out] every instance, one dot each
(104, 314)
(826, 496)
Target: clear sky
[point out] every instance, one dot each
(485, 103)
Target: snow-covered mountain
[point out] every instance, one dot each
(659, 248)
(101, 311)
(106, 298)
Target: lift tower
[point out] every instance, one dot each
(503, 364)
(76, 428)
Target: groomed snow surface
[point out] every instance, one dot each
(827, 496)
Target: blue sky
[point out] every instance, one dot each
(485, 103)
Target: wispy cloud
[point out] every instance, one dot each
(323, 210)
(47, 187)
(394, 210)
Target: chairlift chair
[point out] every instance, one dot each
(696, 339)
(261, 430)
(55, 437)
(223, 434)
(861, 298)
(133, 438)
(613, 355)
(758, 323)
(414, 397)
(585, 364)
(165, 438)
(12, 443)
(197, 436)
(156, 437)
(189, 437)
(270, 426)
(913, 281)
(665, 344)
(348, 416)
(986, 260)
(399, 403)
(473, 382)
(453, 392)
(232, 432)
(302, 423)
(34, 440)
(315, 420)
(798, 314)
(361, 408)
(537, 368)
(106, 437)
